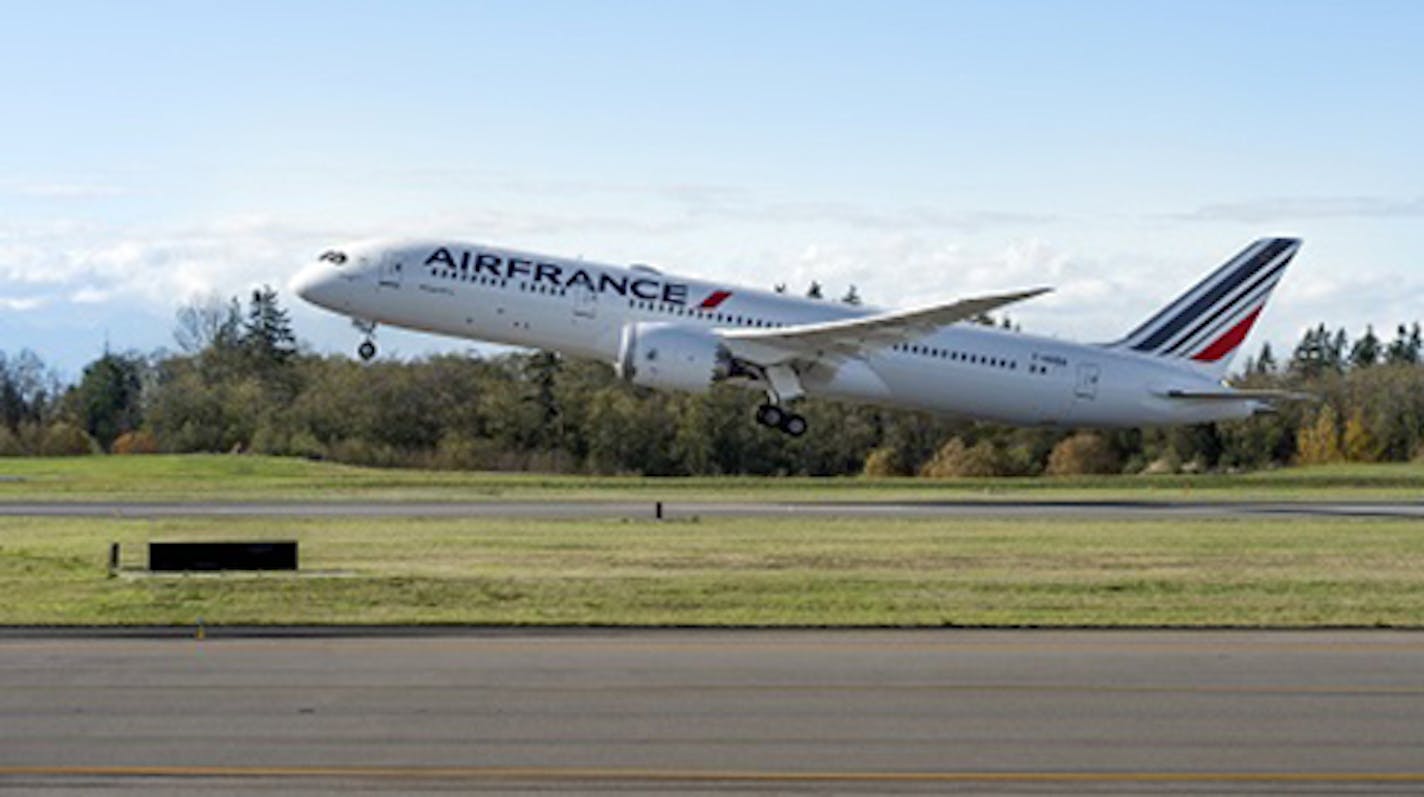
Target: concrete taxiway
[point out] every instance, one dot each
(689, 711)
(578, 509)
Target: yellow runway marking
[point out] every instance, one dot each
(700, 775)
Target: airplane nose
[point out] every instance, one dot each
(303, 283)
(312, 283)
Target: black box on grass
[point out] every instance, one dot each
(214, 556)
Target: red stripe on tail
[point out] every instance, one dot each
(1229, 340)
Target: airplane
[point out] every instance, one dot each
(676, 333)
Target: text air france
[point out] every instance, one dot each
(554, 274)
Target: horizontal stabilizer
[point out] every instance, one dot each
(1227, 394)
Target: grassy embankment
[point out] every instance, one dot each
(719, 571)
(218, 477)
(716, 571)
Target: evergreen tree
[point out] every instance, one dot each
(851, 296)
(1266, 361)
(814, 292)
(1318, 353)
(1404, 349)
(1366, 351)
(1335, 349)
(107, 400)
(267, 333)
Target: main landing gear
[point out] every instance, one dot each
(367, 350)
(783, 384)
(774, 417)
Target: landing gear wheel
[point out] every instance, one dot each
(366, 350)
(774, 417)
(794, 425)
(770, 415)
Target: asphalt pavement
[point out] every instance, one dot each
(709, 711)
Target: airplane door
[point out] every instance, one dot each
(585, 303)
(389, 274)
(1087, 386)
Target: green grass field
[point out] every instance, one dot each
(721, 571)
(220, 477)
(715, 571)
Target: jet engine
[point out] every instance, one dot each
(674, 357)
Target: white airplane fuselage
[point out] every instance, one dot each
(586, 309)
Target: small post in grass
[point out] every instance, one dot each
(658, 510)
(113, 559)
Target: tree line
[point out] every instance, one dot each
(240, 382)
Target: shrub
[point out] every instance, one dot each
(553, 461)
(66, 440)
(356, 451)
(1083, 453)
(458, 452)
(304, 444)
(31, 437)
(1358, 443)
(1169, 462)
(955, 459)
(882, 462)
(1319, 442)
(10, 443)
(280, 440)
(136, 442)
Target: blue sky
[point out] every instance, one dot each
(153, 152)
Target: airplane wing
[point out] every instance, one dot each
(1228, 394)
(852, 337)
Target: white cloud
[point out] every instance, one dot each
(1275, 209)
(21, 304)
(905, 269)
(161, 268)
(89, 296)
(894, 257)
(726, 207)
(69, 190)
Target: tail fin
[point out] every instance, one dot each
(1205, 326)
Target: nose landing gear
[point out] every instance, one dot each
(774, 417)
(367, 350)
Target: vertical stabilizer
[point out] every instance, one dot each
(1206, 325)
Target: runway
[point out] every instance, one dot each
(711, 711)
(582, 509)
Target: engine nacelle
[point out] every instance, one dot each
(672, 357)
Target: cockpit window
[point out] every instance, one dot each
(333, 256)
